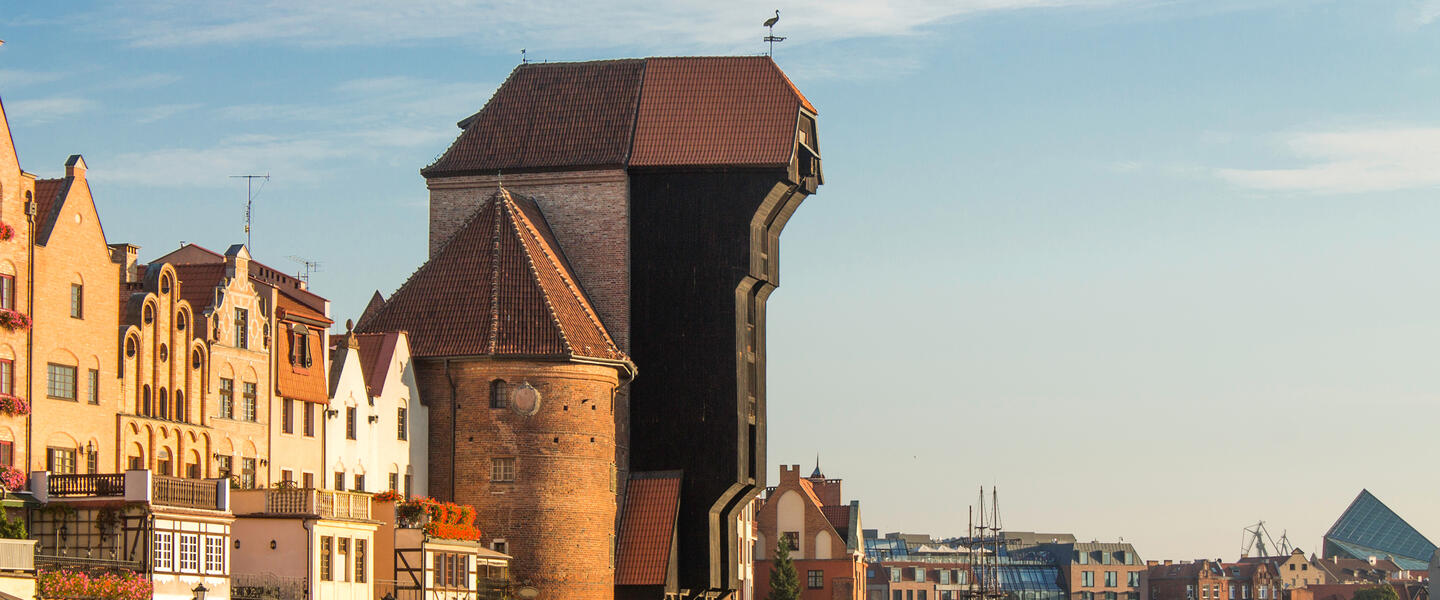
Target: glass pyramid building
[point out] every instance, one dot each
(1369, 528)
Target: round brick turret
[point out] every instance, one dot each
(555, 510)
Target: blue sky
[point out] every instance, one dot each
(1158, 269)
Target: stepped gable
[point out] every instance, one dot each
(499, 287)
(652, 112)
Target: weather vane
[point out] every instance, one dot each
(772, 38)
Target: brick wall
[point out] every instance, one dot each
(15, 185)
(76, 253)
(557, 517)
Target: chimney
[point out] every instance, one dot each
(237, 262)
(126, 255)
(75, 167)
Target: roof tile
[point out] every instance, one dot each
(647, 528)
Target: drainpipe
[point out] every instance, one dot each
(454, 427)
(309, 527)
(30, 209)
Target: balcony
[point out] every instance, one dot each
(17, 555)
(133, 486)
(325, 504)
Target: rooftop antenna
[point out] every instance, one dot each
(523, 59)
(772, 38)
(250, 195)
(310, 267)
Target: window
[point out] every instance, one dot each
(1129, 558)
(1261, 591)
(307, 481)
(287, 416)
(1107, 558)
(359, 482)
(359, 561)
(60, 381)
(226, 466)
(815, 579)
(92, 462)
(792, 540)
(1134, 579)
(897, 595)
(497, 394)
(248, 395)
(1082, 557)
(894, 573)
(1205, 591)
(1087, 578)
(60, 461)
(301, 348)
(309, 419)
(920, 574)
(242, 329)
(349, 422)
(326, 573)
(7, 377)
(7, 291)
(440, 569)
(189, 552)
(502, 469)
(92, 388)
(394, 482)
(214, 554)
(407, 485)
(163, 551)
(227, 398)
(1112, 579)
(1232, 592)
(1245, 592)
(944, 577)
(287, 475)
(77, 301)
(7, 454)
(499, 546)
(400, 417)
(342, 549)
(1111, 596)
(339, 481)
(247, 473)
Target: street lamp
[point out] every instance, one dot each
(200, 591)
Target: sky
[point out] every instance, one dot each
(1156, 269)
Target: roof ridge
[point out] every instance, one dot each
(515, 219)
(570, 285)
(495, 199)
(384, 308)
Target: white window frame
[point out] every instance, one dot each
(215, 555)
(162, 552)
(189, 561)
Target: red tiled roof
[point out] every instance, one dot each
(647, 528)
(376, 301)
(551, 115)
(198, 282)
(838, 516)
(301, 383)
(687, 111)
(499, 287)
(376, 352)
(738, 110)
(48, 198)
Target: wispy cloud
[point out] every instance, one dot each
(46, 110)
(1351, 161)
(1422, 12)
(14, 78)
(364, 120)
(161, 112)
(562, 24)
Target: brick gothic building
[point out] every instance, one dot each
(824, 534)
(520, 379)
(667, 182)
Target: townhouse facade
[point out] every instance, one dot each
(381, 442)
(822, 532)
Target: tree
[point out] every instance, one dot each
(1379, 592)
(784, 582)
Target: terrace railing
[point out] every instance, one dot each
(92, 484)
(186, 493)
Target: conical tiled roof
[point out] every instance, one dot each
(499, 287)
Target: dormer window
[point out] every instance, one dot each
(300, 346)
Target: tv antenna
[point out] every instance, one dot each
(250, 195)
(523, 59)
(311, 266)
(772, 38)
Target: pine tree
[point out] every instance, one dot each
(784, 582)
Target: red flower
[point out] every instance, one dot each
(13, 320)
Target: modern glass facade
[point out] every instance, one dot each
(1369, 528)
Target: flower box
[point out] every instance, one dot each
(13, 406)
(14, 320)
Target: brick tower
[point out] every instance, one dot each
(668, 182)
(520, 378)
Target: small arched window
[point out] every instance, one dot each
(130, 347)
(181, 321)
(149, 313)
(180, 414)
(499, 394)
(165, 284)
(197, 359)
(164, 352)
(144, 407)
(162, 404)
